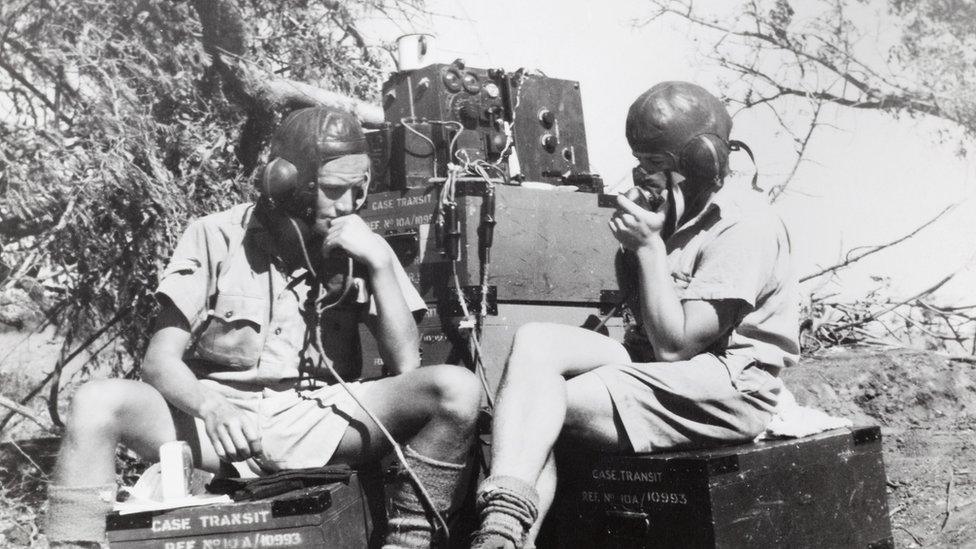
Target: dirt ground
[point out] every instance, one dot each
(925, 403)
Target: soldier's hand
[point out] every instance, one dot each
(351, 233)
(233, 435)
(633, 226)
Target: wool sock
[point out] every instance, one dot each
(76, 514)
(509, 506)
(411, 525)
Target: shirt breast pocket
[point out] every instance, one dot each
(234, 332)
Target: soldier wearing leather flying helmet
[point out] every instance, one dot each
(230, 368)
(706, 271)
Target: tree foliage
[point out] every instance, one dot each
(901, 57)
(897, 57)
(122, 119)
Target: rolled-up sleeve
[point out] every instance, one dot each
(186, 279)
(736, 264)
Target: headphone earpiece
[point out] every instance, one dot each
(279, 182)
(705, 158)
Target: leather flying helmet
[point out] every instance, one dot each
(681, 127)
(306, 140)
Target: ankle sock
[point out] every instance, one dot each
(411, 524)
(76, 514)
(509, 506)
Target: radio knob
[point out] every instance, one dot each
(547, 118)
(491, 90)
(452, 81)
(549, 142)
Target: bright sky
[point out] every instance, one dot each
(872, 179)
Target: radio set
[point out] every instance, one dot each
(482, 186)
(528, 127)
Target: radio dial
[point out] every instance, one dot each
(471, 83)
(547, 118)
(452, 81)
(549, 142)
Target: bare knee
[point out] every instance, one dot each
(532, 347)
(456, 394)
(98, 408)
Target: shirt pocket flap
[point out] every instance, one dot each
(181, 266)
(234, 308)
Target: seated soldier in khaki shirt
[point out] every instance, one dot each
(230, 368)
(708, 277)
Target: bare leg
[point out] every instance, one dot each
(532, 397)
(103, 414)
(591, 422)
(435, 409)
(530, 415)
(545, 486)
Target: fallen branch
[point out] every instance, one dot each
(910, 533)
(874, 315)
(24, 411)
(225, 39)
(27, 398)
(948, 500)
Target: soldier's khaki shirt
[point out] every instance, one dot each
(245, 313)
(738, 248)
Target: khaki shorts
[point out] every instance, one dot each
(298, 428)
(704, 401)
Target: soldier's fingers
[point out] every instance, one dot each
(229, 449)
(627, 220)
(253, 438)
(241, 444)
(217, 444)
(628, 206)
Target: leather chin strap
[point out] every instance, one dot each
(675, 205)
(736, 145)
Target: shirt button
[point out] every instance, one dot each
(228, 314)
(277, 331)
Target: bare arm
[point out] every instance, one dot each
(677, 329)
(394, 328)
(233, 436)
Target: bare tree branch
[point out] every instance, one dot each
(41, 96)
(776, 59)
(804, 142)
(868, 250)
